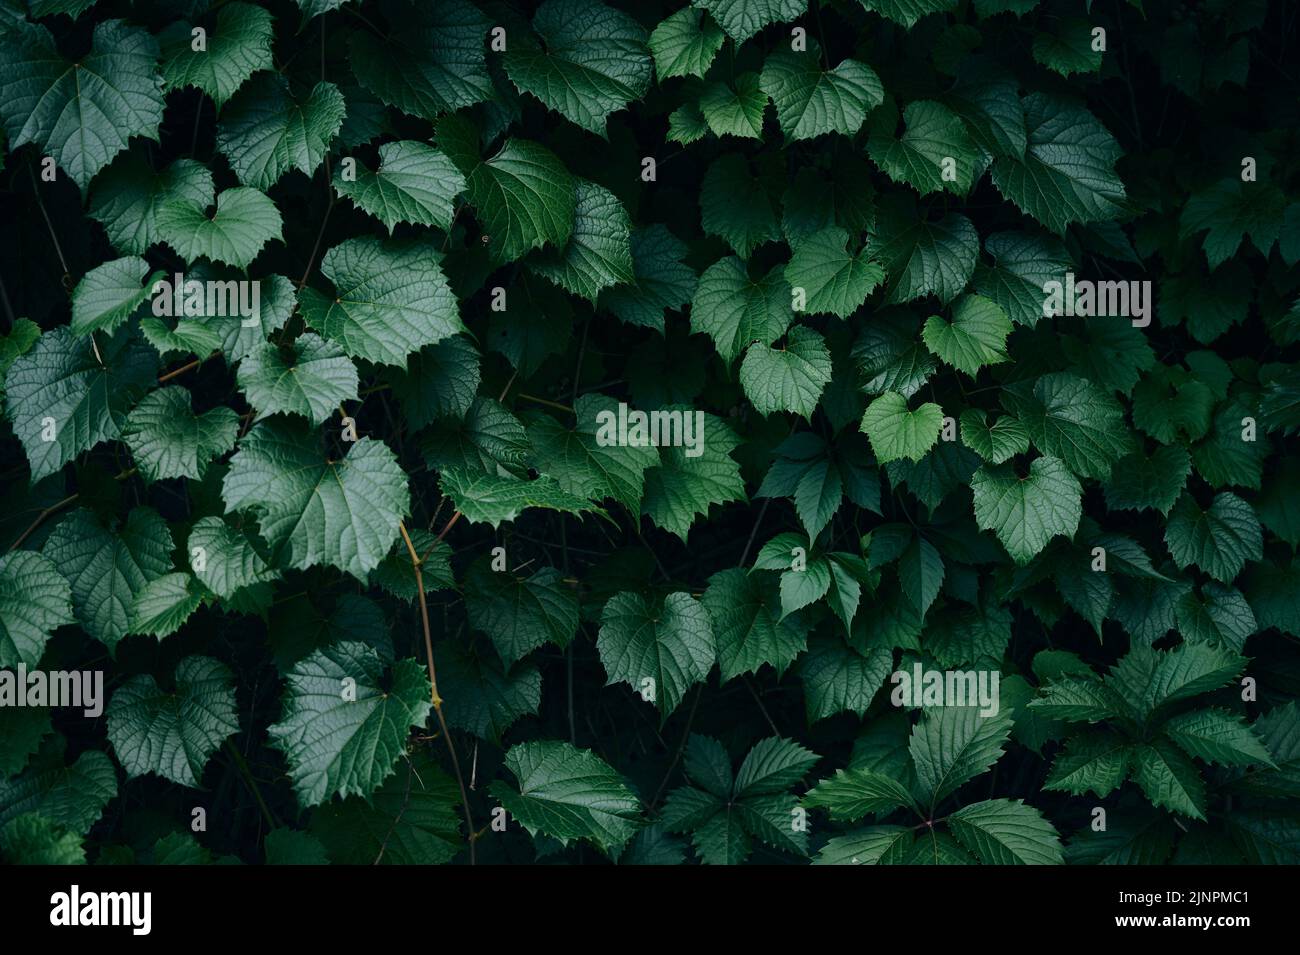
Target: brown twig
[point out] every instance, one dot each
(40, 517)
(470, 835)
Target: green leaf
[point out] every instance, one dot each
(521, 613)
(1228, 211)
(851, 794)
(833, 280)
(1068, 48)
(896, 432)
(111, 293)
(734, 310)
(32, 839)
(976, 337)
(734, 205)
(108, 569)
(414, 183)
(312, 377)
(773, 766)
(1075, 421)
(672, 646)
(748, 626)
(790, 378)
(1023, 265)
(164, 604)
(924, 258)
(1026, 513)
(440, 381)
(1169, 779)
(598, 253)
(811, 102)
(1006, 832)
(314, 510)
(493, 499)
(168, 440)
(225, 559)
(584, 462)
(390, 300)
(343, 726)
(173, 734)
(952, 745)
(244, 222)
(63, 390)
(568, 793)
(1068, 170)
(874, 845)
(734, 108)
(72, 796)
(1093, 761)
(1138, 482)
(239, 47)
(1219, 541)
(685, 44)
(837, 678)
(588, 61)
(743, 18)
(997, 442)
(933, 154)
(907, 12)
(265, 130)
(81, 114)
(525, 198)
(35, 600)
(684, 485)
(1217, 736)
(661, 279)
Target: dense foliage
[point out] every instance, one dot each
(823, 234)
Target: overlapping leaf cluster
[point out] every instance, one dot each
(479, 230)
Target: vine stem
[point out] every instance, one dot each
(39, 518)
(470, 835)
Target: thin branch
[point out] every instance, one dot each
(242, 766)
(40, 517)
(36, 191)
(470, 834)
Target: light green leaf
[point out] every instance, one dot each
(833, 279)
(111, 293)
(747, 624)
(976, 337)
(1219, 541)
(82, 113)
(343, 727)
(244, 222)
(265, 130)
(568, 793)
(1026, 513)
(173, 734)
(60, 387)
(790, 378)
(811, 102)
(314, 510)
(108, 569)
(896, 432)
(672, 645)
(239, 47)
(311, 378)
(390, 300)
(414, 183)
